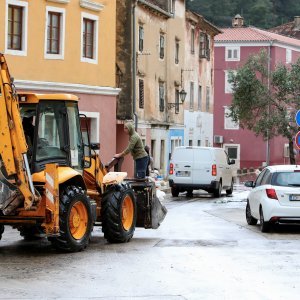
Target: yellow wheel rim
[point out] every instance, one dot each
(127, 212)
(78, 220)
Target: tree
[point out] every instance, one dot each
(265, 101)
(258, 13)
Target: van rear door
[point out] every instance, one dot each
(224, 169)
(183, 162)
(202, 166)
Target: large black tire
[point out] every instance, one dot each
(264, 226)
(218, 190)
(250, 220)
(119, 213)
(174, 191)
(230, 190)
(75, 220)
(1, 230)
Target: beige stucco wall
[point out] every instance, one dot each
(198, 121)
(153, 69)
(199, 70)
(35, 67)
(176, 29)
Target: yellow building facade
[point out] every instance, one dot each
(66, 46)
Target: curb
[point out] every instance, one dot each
(246, 171)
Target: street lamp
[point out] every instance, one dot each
(182, 95)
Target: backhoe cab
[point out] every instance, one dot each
(59, 187)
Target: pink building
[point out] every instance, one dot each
(232, 48)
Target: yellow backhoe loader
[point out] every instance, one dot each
(58, 186)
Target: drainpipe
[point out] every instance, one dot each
(269, 72)
(134, 65)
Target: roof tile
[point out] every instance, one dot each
(253, 34)
(288, 29)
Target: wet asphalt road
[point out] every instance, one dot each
(203, 250)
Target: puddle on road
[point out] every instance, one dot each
(196, 243)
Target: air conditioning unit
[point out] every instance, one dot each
(218, 139)
(286, 151)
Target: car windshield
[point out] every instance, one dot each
(286, 179)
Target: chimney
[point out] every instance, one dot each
(238, 21)
(297, 23)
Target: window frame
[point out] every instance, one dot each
(260, 178)
(61, 53)
(141, 85)
(207, 99)
(177, 46)
(141, 37)
(177, 100)
(192, 95)
(95, 20)
(200, 97)
(228, 121)
(232, 49)
(204, 46)
(162, 46)
(228, 86)
(192, 40)
(172, 7)
(24, 6)
(266, 178)
(161, 96)
(288, 56)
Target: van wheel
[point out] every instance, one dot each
(229, 191)
(175, 192)
(218, 190)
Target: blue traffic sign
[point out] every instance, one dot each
(297, 140)
(298, 117)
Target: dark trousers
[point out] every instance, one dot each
(141, 165)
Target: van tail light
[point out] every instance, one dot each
(171, 171)
(271, 193)
(214, 170)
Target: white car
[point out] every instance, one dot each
(275, 197)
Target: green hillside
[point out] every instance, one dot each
(259, 13)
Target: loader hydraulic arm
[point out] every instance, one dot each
(13, 146)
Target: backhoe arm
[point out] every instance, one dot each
(13, 146)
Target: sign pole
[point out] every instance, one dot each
(297, 137)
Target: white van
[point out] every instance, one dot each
(204, 168)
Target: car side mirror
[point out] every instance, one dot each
(231, 161)
(249, 184)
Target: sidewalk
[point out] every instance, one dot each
(242, 178)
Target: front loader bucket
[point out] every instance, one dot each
(158, 212)
(150, 211)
